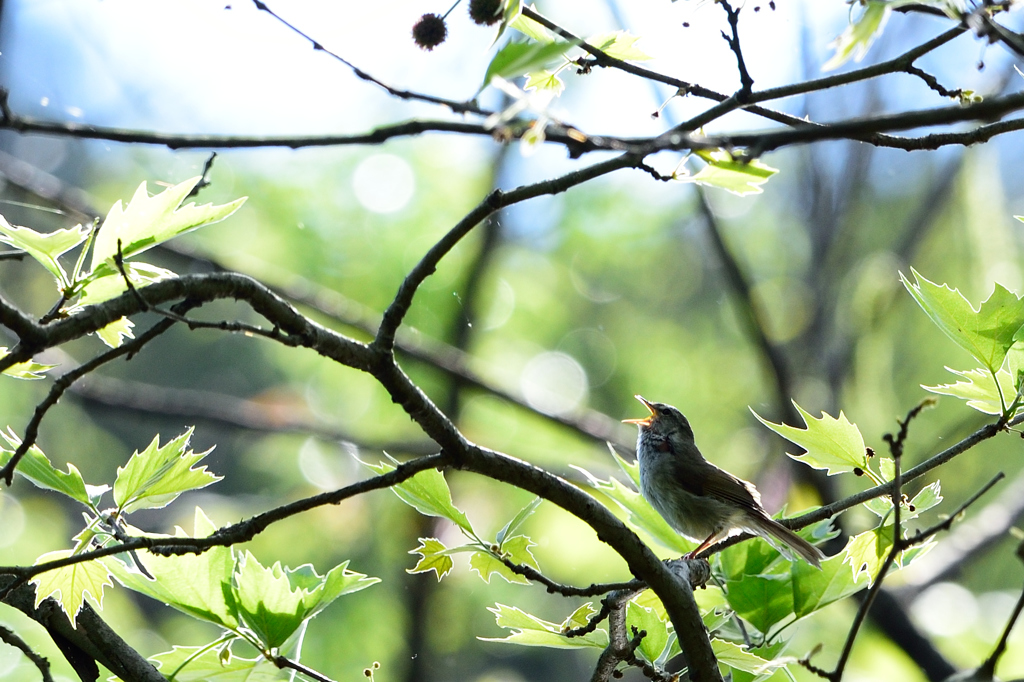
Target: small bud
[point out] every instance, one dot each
(912, 508)
(857, 471)
(430, 31)
(870, 452)
(772, 5)
(485, 12)
(686, 24)
(367, 672)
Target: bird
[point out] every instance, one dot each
(697, 498)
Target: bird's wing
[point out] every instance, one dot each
(724, 485)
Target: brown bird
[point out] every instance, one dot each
(697, 498)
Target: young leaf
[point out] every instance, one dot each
(928, 497)
(831, 444)
(45, 247)
(36, 468)
(858, 36)
(107, 282)
(155, 477)
(148, 221)
(656, 639)
(619, 44)
(433, 558)
(208, 664)
(529, 630)
(70, 585)
(640, 514)
(116, 332)
(866, 552)
(427, 492)
(513, 525)
(516, 550)
(814, 589)
(196, 584)
(581, 616)
(273, 602)
(738, 177)
(986, 333)
(761, 600)
(29, 370)
(517, 59)
(735, 656)
(544, 80)
(531, 29)
(513, 9)
(979, 389)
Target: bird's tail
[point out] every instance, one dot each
(771, 529)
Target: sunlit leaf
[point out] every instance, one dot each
(656, 639)
(36, 468)
(108, 282)
(275, 601)
(148, 221)
(70, 585)
(116, 332)
(30, 369)
(516, 550)
(736, 656)
(432, 558)
(156, 476)
(197, 664)
(986, 333)
(196, 584)
(833, 444)
(427, 492)
(532, 29)
(738, 177)
(529, 630)
(580, 617)
(978, 388)
(513, 9)
(544, 80)
(619, 44)
(866, 552)
(858, 36)
(512, 526)
(640, 514)
(814, 589)
(761, 600)
(45, 247)
(517, 59)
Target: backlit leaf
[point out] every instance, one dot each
(858, 36)
(738, 177)
(833, 444)
(432, 558)
(156, 476)
(70, 585)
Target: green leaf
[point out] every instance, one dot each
(858, 36)
(735, 656)
(198, 664)
(580, 617)
(544, 80)
(738, 177)
(512, 526)
(517, 59)
(833, 444)
(29, 369)
(155, 477)
(814, 589)
(532, 29)
(36, 468)
(987, 333)
(866, 552)
(516, 550)
(513, 9)
(979, 389)
(761, 600)
(116, 332)
(433, 558)
(427, 492)
(45, 247)
(656, 639)
(70, 585)
(529, 630)
(148, 221)
(107, 281)
(928, 497)
(619, 44)
(640, 515)
(196, 584)
(274, 601)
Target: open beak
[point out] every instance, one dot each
(645, 421)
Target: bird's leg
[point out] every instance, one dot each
(704, 545)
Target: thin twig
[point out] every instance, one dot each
(593, 590)
(746, 82)
(38, 660)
